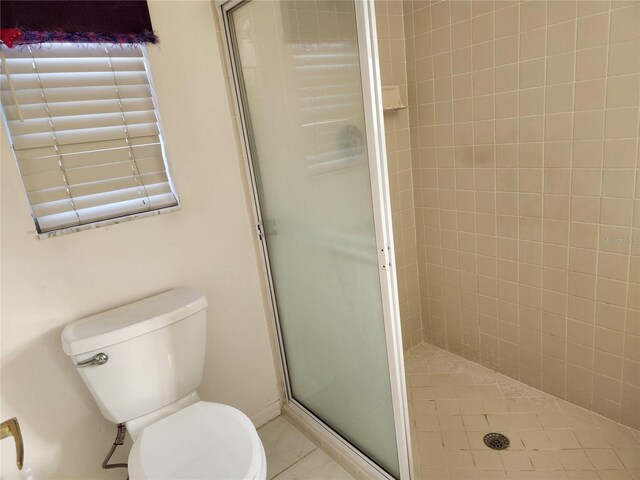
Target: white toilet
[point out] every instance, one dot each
(142, 363)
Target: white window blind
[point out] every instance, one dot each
(85, 133)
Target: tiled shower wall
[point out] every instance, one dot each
(391, 47)
(524, 138)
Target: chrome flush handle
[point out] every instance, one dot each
(97, 359)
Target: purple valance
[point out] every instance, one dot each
(79, 21)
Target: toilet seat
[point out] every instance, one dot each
(202, 441)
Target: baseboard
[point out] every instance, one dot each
(266, 414)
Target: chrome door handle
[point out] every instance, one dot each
(97, 359)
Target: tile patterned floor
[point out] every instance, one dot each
(292, 456)
(454, 402)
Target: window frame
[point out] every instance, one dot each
(126, 217)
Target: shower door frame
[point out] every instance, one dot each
(376, 150)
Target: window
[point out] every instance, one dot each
(329, 90)
(85, 133)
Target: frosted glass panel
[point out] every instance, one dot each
(303, 104)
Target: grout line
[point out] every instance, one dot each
(534, 59)
(475, 292)
(472, 76)
(570, 221)
(550, 114)
(437, 169)
(455, 176)
(635, 206)
(577, 17)
(599, 227)
(299, 459)
(517, 202)
(544, 193)
(496, 361)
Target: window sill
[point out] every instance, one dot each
(105, 223)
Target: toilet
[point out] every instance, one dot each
(142, 363)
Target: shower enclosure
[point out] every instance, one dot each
(308, 92)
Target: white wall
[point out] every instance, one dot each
(206, 245)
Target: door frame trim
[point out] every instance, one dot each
(376, 149)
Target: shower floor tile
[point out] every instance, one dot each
(454, 402)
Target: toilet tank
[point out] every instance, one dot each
(155, 350)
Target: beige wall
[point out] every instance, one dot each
(393, 70)
(206, 245)
(524, 122)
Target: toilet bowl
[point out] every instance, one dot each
(204, 440)
(142, 363)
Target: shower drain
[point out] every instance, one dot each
(496, 441)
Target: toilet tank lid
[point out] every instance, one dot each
(132, 320)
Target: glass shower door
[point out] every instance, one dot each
(298, 72)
